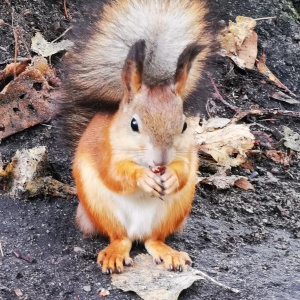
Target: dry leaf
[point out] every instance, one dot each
(262, 68)
(248, 165)
(41, 46)
(244, 184)
(276, 156)
(10, 69)
(154, 282)
(280, 96)
(291, 139)
(227, 146)
(222, 181)
(27, 175)
(239, 42)
(25, 101)
(248, 52)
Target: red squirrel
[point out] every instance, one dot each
(135, 163)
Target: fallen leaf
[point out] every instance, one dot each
(25, 101)
(228, 146)
(263, 69)
(41, 46)
(244, 184)
(248, 165)
(27, 174)
(280, 96)
(10, 69)
(239, 42)
(154, 282)
(248, 52)
(291, 139)
(222, 181)
(276, 156)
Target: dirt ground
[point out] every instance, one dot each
(246, 239)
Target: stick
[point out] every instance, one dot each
(62, 34)
(236, 291)
(261, 112)
(265, 18)
(219, 96)
(16, 43)
(65, 9)
(1, 250)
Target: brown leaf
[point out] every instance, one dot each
(262, 68)
(239, 42)
(10, 69)
(24, 102)
(248, 51)
(248, 165)
(276, 156)
(244, 184)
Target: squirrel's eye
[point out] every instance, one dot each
(134, 125)
(184, 127)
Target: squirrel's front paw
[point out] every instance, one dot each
(170, 181)
(150, 183)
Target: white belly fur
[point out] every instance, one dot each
(138, 213)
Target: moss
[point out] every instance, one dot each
(294, 14)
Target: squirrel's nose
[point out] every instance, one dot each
(161, 158)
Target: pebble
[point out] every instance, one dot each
(87, 288)
(275, 171)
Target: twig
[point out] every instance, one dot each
(65, 9)
(2, 254)
(62, 34)
(9, 60)
(16, 43)
(265, 18)
(261, 112)
(219, 97)
(236, 291)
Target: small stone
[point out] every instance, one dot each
(56, 25)
(87, 288)
(78, 249)
(275, 171)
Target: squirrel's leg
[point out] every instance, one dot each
(113, 258)
(173, 260)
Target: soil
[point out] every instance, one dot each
(246, 239)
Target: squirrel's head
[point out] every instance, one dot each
(150, 120)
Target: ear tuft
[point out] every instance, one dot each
(132, 73)
(184, 65)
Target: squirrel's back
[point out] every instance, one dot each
(94, 66)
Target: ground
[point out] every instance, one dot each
(246, 239)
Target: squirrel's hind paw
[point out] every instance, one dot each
(113, 258)
(173, 260)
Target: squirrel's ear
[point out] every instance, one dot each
(133, 68)
(184, 65)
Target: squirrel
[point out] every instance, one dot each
(135, 163)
